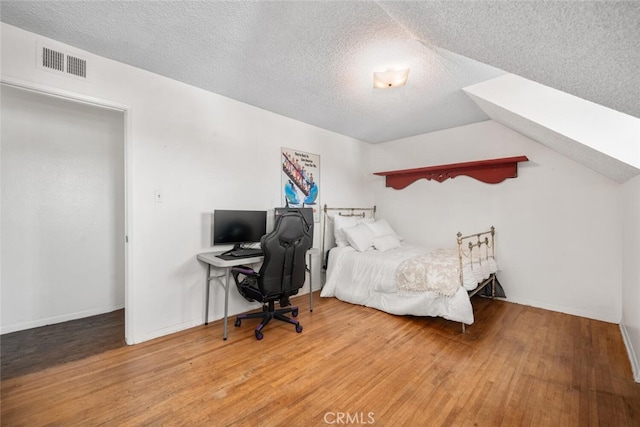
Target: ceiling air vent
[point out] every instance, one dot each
(52, 59)
(60, 62)
(76, 66)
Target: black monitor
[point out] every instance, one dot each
(238, 227)
(307, 214)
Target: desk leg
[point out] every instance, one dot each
(310, 284)
(207, 283)
(226, 303)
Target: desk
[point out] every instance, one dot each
(212, 260)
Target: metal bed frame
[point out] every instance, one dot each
(348, 212)
(482, 243)
(484, 239)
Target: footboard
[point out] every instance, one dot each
(474, 250)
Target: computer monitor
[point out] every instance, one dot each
(238, 227)
(307, 214)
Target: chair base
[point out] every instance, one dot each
(269, 312)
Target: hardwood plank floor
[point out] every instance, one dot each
(35, 349)
(516, 365)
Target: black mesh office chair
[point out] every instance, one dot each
(282, 273)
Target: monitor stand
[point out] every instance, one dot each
(236, 247)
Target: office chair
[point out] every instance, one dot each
(282, 273)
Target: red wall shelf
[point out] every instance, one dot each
(490, 171)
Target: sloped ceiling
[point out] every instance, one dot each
(600, 138)
(313, 61)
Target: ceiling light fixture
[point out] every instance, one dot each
(390, 78)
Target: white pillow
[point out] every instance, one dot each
(360, 237)
(341, 222)
(381, 228)
(386, 242)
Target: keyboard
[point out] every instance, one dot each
(246, 253)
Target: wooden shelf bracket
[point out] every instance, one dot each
(491, 171)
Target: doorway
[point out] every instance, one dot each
(63, 209)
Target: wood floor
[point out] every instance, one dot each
(351, 365)
(33, 350)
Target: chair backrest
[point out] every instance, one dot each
(285, 248)
(307, 215)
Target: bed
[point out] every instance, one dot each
(369, 264)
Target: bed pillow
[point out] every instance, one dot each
(360, 237)
(386, 242)
(341, 222)
(381, 228)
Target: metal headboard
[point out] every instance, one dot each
(349, 212)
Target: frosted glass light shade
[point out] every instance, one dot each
(390, 78)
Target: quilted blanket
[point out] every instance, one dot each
(437, 271)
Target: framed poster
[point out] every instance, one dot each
(300, 180)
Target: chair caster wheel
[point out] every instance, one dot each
(294, 313)
(298, 328)
(238, 323)
(259, 335)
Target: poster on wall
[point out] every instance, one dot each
(300, 180)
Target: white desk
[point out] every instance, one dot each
(212, 260)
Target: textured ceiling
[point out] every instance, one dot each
(313, 61)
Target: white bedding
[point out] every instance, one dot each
(369, 278)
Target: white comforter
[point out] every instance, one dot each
(369, 279)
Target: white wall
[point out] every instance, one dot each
(62, 210)
(557, 224)
(630, 324)
(202, 151)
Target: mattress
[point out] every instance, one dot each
(369, 279)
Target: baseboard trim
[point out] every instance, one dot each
(58, 319)
(635, 364)
(605, 317)
(151, 335)
(159, 333)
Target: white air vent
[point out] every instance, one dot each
(52, 59)
(60, 62)
(76, 66)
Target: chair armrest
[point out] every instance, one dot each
(244, 270)
(241, 269)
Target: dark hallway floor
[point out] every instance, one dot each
(33, 350)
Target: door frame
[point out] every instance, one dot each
(128, 217)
